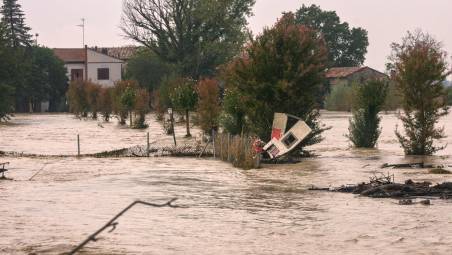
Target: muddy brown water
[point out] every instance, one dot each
(227, 211)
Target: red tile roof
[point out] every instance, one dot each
(343, 72)
(70, 55)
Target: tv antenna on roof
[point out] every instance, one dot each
(83, 30)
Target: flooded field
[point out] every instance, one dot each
(225, 210)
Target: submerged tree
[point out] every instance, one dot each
(141, 108)
(183, 97)
(420, 67)
(281, 71)
(347, 46)
(105, 103)
(208, 107)
(194, 35)
(368, 101)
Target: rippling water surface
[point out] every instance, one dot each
(226, 210)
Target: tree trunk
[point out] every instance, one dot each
(187, 123)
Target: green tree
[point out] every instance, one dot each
(420, 66)
(148, 69)
(128, 98)
(6, 72)
(369, 98)
(184, 98)
(194, 35)
(281, 71)
(141, 108)
(17, 33)
(105, 103)
(347, 46)
(233, 116)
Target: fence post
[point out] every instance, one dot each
(78, 145)
(213, 141)
(147, 147)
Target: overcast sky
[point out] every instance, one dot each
(386, 20)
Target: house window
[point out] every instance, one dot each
(103, 74)
(289, 140)
(76, 74)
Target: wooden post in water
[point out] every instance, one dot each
(170, 111)
(213, 142)
(147, 147)
(78, 145)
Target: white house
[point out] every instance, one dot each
(88, 64)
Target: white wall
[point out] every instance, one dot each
(97, 60)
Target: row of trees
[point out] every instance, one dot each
(29, 74)
(280, 70)
(126, 99)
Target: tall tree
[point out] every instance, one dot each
(184, 98)
(347, 46)
(420, 67)
(195, 35)
(17, 33)
(281, 71)
(7, 60)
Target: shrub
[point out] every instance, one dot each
(105, 103)
(121, 104)
(368, 100)
(208, 107)
(92, 92)
(340, 98)
(76, 96)
(141, 107)
(449, 95)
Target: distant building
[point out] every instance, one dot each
(338, 75)
(88, 64)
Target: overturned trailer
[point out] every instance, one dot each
(287, 133)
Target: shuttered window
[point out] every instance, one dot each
(103, 74)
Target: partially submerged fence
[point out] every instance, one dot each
(238, 150)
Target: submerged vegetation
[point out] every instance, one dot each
(369, 98)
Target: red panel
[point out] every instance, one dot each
(277, 133)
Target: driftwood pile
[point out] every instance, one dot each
(385, 187)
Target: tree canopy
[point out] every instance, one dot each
(347, 46)
(281, 71)
(194, 35)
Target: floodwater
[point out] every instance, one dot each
(224, 210)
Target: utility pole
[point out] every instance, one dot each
(83, 31)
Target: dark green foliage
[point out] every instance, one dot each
(141, 107)
(369, 99)
(184, 98)
(148, 69)
(13, 18)
(420, 67)
(347, 46)
(282, 70)
(193, 35)
(6, 102)
(234, 112)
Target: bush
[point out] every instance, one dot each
(92, 94)
(141, 107)
(208, 107)
(76, 96)
(123, 104)
(105, 103)
(369, 98)
(340, 98)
